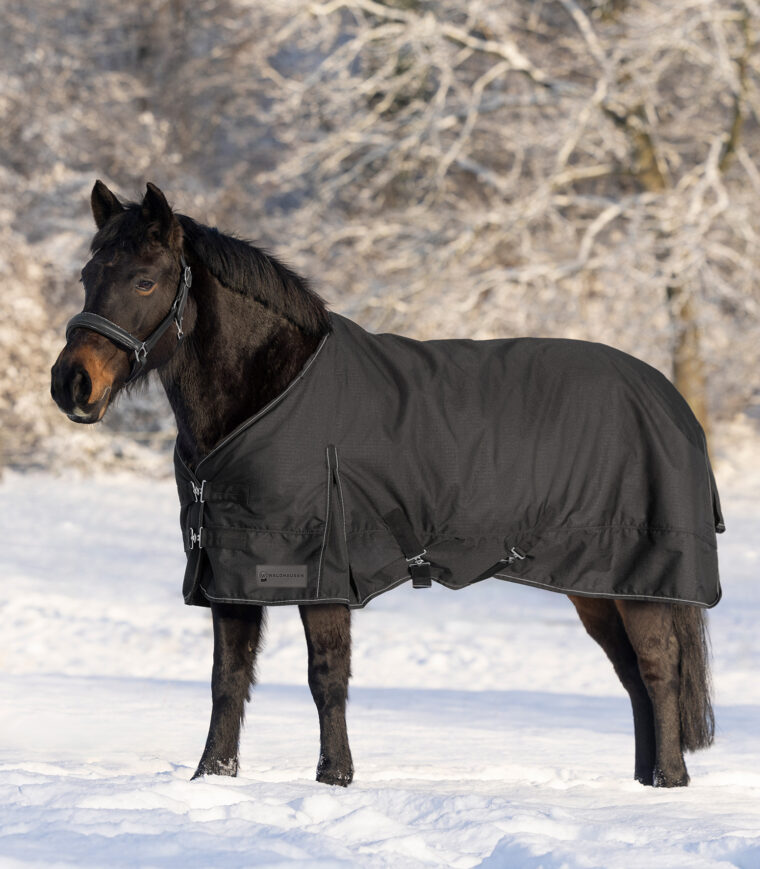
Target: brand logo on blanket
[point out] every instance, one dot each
(281, 575)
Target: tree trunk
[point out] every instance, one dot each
(688, 367)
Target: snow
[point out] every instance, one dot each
(487, 729)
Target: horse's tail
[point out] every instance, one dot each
(694, 703)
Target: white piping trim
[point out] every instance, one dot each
(609, 595)
(327, 520)
(340, 495)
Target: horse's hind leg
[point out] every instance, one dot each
(603, 623)
(651, 630)
(237, 634)
(328, 639)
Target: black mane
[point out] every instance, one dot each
(237, 264)
(244, 268)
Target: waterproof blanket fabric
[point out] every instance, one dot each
(561, 464)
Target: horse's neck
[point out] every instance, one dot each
(238, 356)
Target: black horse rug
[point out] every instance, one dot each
(561, 464)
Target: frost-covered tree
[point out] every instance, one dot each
(564, 167)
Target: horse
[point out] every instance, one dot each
(228, 328)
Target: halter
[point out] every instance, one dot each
(119, 336)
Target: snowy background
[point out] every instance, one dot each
(487, 729)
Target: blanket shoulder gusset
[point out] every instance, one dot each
(561, 464)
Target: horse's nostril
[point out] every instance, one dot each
(61, 386)
(81, 387)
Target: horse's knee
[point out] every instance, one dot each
(237, 636)
(328, 639)
(328, 634)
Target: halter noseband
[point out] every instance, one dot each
(141, 349)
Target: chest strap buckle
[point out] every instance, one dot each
(196, 537)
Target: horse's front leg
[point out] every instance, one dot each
(237, 634)
(328, 639)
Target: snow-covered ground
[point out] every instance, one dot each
(487, 729)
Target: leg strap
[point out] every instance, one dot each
(514, 556)
(414, 551)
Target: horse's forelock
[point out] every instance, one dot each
(131, 231)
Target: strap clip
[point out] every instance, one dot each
(419, 570)
(400, 527)
(514, 553)
(196, 537)
(417, 559)
(198, 492)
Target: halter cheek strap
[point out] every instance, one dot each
(124, 339)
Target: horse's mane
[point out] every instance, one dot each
(237, 264)
(244, 268)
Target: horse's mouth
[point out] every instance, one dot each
(92, 412)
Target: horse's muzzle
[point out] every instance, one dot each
(72, 390)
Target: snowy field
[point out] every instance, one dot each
(487, 729)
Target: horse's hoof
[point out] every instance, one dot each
(216, 767)
(343, 779)
(334, 774)
(661, 780)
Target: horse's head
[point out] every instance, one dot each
(135, 288)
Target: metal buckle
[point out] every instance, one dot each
(417, 560)
(188, 277)
(514, 554)
(196, 538)
(178, 324)
(198, 491)
(141, 354)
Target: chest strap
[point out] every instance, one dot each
(414, 551)
(205, 493)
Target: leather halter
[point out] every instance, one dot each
(124, 339)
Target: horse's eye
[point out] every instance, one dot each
(145, 287)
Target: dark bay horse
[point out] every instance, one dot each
(227, 328)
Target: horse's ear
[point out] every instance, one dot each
(156, 209)
(104, 204)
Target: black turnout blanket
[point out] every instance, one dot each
(561, 464)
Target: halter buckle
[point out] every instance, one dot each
(141, 354)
